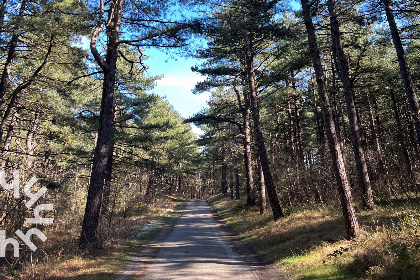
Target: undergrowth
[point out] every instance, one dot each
(60, 258)
(311, 243)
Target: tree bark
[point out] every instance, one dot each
(149, 189)
(343, 72)
(298, 130)
(8, 139)
(319, 124)
(291, 132)
(31, 138)
(259, 139)
(224, 184)
(350, 219)
(106, 118)
(400, 136)
(404, 70)
(263, 197)
(274, 138)
(245, 110)
(375, 138)
(237, 182)
(250, 186)
(2, 14)
(4, 80)
(107, 184)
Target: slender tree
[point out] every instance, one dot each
(344, 74)
(404, 69)
(349, 213)
(255, 109)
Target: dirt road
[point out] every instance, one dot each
(196, 249)
(199, 248)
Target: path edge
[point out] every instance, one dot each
(148, 252)
(259, 266)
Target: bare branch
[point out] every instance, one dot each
(95, 35)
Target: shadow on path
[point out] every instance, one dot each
(198, 247)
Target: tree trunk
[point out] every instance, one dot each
(375, 138)
(107, 184)
(231, 183)
(298, 130)
(4, 80)
(31, 138)
(404, 70)
(273, 139)
(319, 124)
(21, 87)
(291, 132)
(2, 14)
(149, 189)
(263, 197)
(350, 219)
(250, 187)
(8, 139)
(259, 139)
(237, 182)
(106, 117)
(224, 184)
(400, 136)
(336, 112)
(343, 72)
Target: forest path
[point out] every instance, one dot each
(198, 245)
(198, 249)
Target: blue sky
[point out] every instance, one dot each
(177, 82)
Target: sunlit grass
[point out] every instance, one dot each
(311, 244)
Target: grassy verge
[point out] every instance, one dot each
(311, 244)
(61, 258)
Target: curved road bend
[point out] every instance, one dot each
(196, 249)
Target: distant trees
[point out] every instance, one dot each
(238, 33)
(352, 67)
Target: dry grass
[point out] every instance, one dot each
(60, 258)
(311, 244)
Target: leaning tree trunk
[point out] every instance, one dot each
(4, 79)
(106, 119)
(404, 70)
(339, 168)
(259, 139)
(342, 66)
(21, 87)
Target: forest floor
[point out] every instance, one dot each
(60, 257)
(310, 243)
